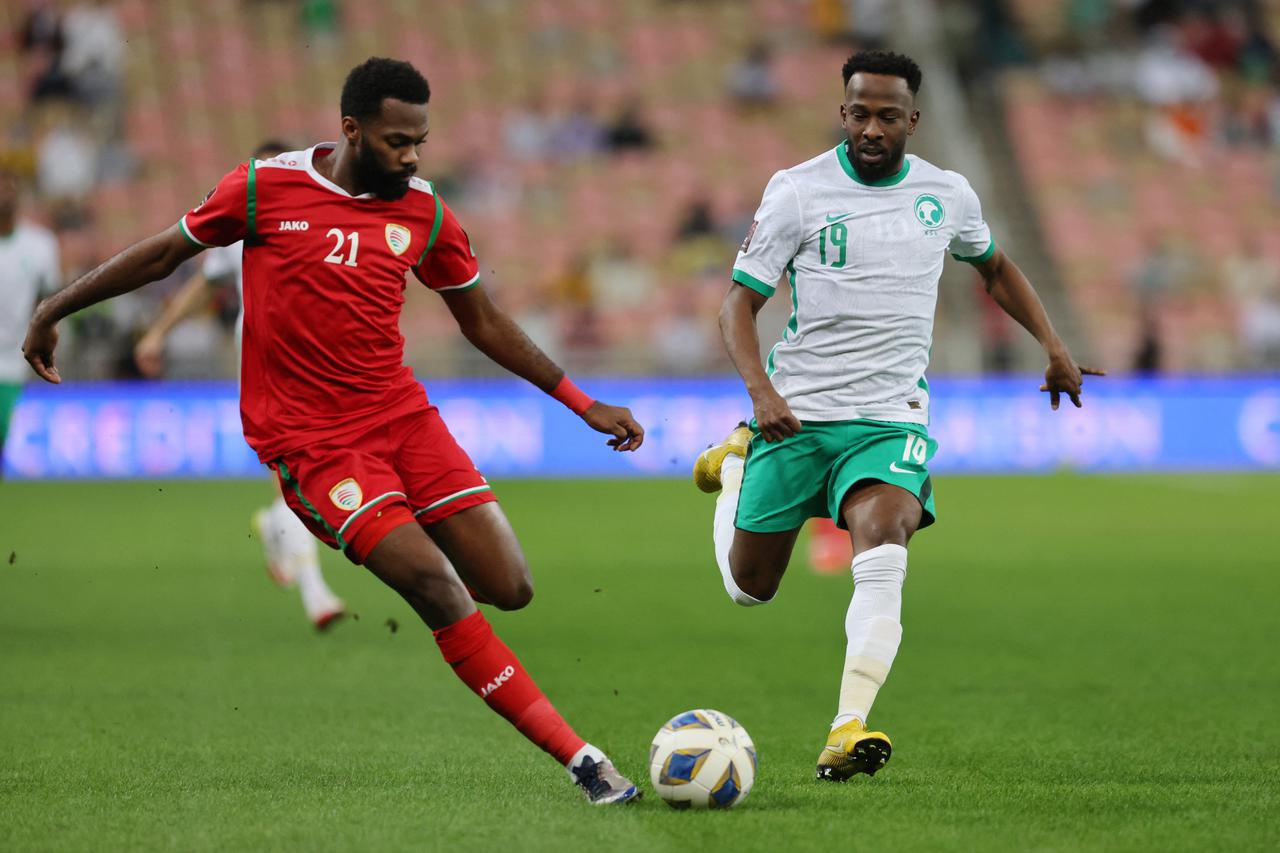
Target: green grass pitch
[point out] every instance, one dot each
(1089, 663)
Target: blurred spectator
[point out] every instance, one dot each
(93, 52)
(1253, 281)
(696, 221)
(699, 247)
(66, 167)
(629, 131)
(1178, 86)
(1163, 272)
(620, 280)
(869, 22)
(40, 38)
(579, 135)
(29, 270)
(679, 337)
(1216, 38)
(863, 23)
(751, 80)
(529, 132)
(319, 18)
(572, 290)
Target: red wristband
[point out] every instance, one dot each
(572, 396)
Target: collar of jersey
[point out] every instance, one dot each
(892, 180)
(321, 179)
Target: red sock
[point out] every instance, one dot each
(493, 671)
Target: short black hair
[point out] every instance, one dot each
(883, 62)
(377, 78)
(268, 148)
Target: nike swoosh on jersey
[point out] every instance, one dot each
(893, 466)
(839, 217)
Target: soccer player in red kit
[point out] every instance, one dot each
(330, 234)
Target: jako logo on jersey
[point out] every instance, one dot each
(930, 211)
(294, 225)
(347, 495)
(497, 682)
(398, 238)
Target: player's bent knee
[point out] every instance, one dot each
(514, 596)
(750, 590)
(896, 532)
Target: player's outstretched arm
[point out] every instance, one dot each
(1015, 295)
(143, 262)
(742, 340)
(492, 331)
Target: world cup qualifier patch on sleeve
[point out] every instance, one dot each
(206, 198)
(751, 232)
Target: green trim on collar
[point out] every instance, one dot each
(435, 224)
(843, 153)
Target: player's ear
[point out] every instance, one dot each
(911, 125)
(844, 113)
(351, 129)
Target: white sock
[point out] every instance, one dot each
(587, 751)
(873, 627)
(722, 530)
(299, 550)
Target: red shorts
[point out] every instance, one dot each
(350, 492)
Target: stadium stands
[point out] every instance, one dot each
(1161, 208)
(526, 145)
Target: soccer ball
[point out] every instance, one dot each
(702, 759)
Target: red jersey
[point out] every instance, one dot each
(324, 279)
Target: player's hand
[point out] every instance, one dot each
(616, 421)
(773, 417)
(37, 349)
(1064, 376)
(148, 355)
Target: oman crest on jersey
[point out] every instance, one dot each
(398, 238)
(347, 495)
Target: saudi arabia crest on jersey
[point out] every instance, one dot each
(347, 495)
(398, 238)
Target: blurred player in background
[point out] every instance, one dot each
(842, 409)
(330, 234)
(29, 269)
(289, 548)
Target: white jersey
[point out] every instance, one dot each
(863, 261)
(29, 269)
(223, 262)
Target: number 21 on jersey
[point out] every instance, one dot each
(341, 242)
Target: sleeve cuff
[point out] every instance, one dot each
(748, 280)
(186, 232)
(466, 285)
(977, 259)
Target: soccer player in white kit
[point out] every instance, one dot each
(290, 550)
(29, 270)
(842, 406)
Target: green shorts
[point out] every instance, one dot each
(808, 475)
(9, 392)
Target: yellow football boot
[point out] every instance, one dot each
(850, 750)
(706, 471)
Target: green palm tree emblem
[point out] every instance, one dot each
(929, 211)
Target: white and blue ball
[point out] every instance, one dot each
(702, 759)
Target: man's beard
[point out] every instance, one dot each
(886, 168)
(388, 186)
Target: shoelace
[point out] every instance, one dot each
(589, 777)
